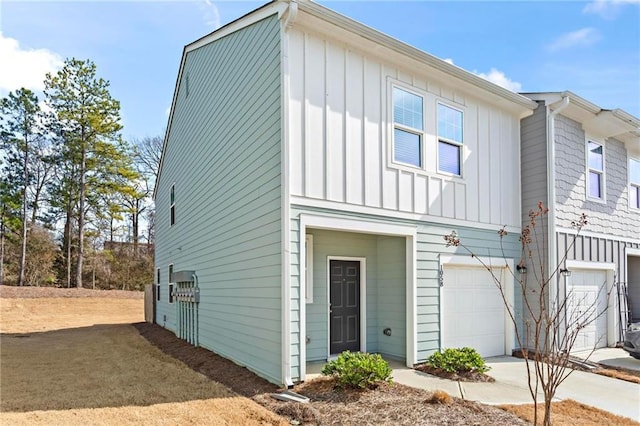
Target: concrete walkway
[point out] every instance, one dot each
(613, 395)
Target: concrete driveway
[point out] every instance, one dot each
(613, 357)
(613, 395)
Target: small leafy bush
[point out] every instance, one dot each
(454, 360)
(358, 370)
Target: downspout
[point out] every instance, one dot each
(289, 17)
(551, 202)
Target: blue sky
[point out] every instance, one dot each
(590, 48)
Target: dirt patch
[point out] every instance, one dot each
(570, 413)
(12, 292)
(389, 404)
(461, 376)
(205, 362)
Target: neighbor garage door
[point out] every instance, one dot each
(586, 306)
(473, 313)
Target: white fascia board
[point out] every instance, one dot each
(525, 106)
(242, 22)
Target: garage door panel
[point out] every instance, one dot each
(473, 311)
(586, 306)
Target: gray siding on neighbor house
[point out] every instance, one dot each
(614, 217)
(533, 157)
(224, 156)
(430, 244)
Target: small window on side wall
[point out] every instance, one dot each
(308, 285)
(158, 284)
(450, 138)
(595, 167)
(634, 183)
(173, 204)
(170, 283)
(408, 127)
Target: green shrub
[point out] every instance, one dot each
(358, 370)
(455, 360)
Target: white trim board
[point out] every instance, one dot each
(385, 214)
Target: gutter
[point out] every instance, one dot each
(551, 173)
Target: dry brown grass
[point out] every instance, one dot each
(570, 413)
(100, 372)
(617, 374)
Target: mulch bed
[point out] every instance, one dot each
(388, 404)
(461, 376)
(27, 292)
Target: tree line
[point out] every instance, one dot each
(73, 192)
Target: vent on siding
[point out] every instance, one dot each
(186, 85)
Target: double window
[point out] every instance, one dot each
(410, 146)
(595, 165)
(634, 183)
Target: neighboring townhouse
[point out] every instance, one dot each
(310, 170)
(579, 158)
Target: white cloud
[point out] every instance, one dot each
(211, 14)
(449, 60)
(25, 67)
(498, 77)
(582, 37)
(167, 111)
(608, 9)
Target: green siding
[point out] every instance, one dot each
(224, 155)
(385, 264)
(392, 290)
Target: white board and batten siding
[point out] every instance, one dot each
(340, 125)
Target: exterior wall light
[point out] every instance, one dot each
(521, 268)
(565, 272)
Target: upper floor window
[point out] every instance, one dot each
(173, 204)
(408, 127)
(634, 183)
(595, 179)
(449, 140)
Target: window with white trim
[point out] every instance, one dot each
(408, 127)
(170, 283)
(173, 204)
(450, 136)
(308, 268)
(634, 183)
(595, 168)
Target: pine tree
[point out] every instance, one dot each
(91, 148)
(20, 128)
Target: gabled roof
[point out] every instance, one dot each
(310, 13)
(604, 123)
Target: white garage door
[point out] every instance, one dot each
(473, 313)
(586, 307)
